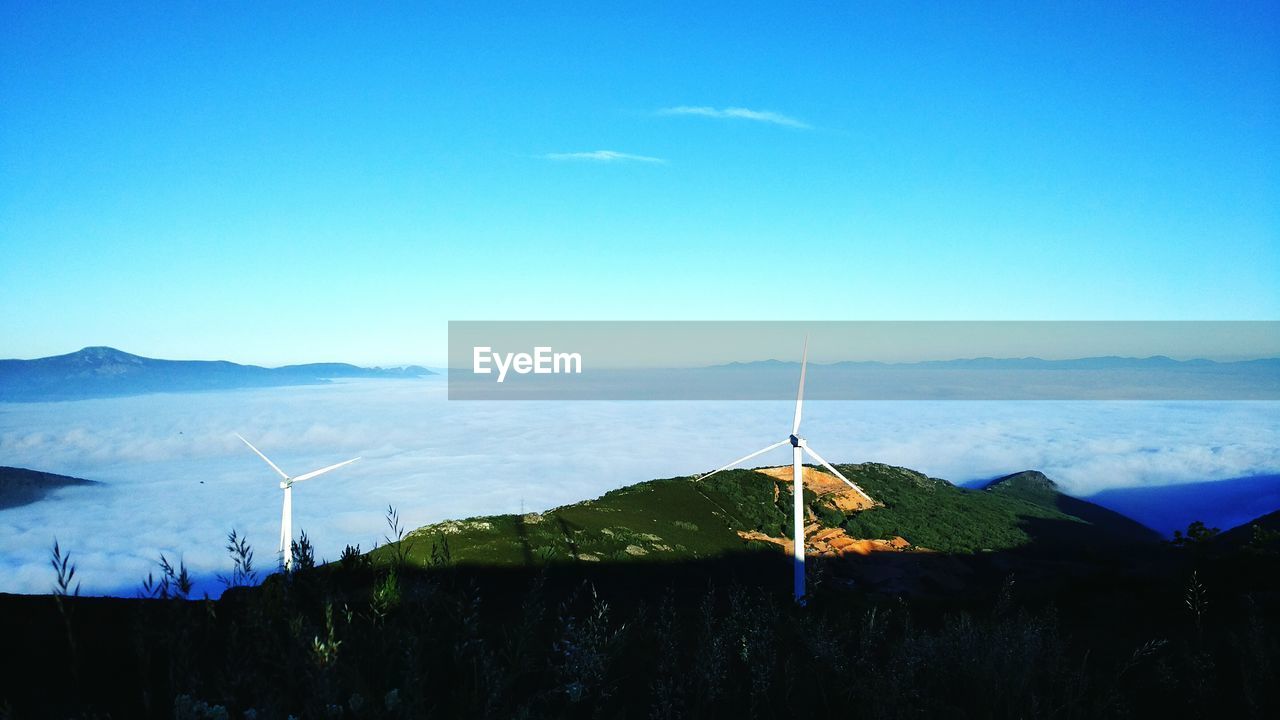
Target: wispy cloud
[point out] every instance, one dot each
(737, 113)
(602, 156)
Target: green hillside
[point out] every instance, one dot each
(1109, 525)
(663, 520)
(683, 518)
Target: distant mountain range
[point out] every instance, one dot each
(983, 378)
(1108, 362)
(96, 372)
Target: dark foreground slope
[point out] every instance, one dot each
(1260, 534)
(512, 620)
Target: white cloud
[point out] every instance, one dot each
(602, 156)
(435, 459)
(738, 113)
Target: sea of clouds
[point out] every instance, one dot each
(175, 479)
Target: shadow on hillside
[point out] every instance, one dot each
(1218, 503)
(522, 535)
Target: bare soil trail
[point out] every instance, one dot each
(825, 485)
(827, 541)
(832, 542)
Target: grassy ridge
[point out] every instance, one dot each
(686, 519)
(935, 514)
(661, 520)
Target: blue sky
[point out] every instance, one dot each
(273, 185)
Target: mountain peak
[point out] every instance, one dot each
(102, 353)
(101, 371)
(1025, 482)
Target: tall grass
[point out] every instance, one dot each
(242, 570)
(363, 639)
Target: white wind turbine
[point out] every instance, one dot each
(286, 484)
(798, 448)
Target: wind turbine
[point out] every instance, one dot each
(798, 448)
(286, 484)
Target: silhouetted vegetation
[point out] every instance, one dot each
(716, 638)
(409, 631)
(1196, 535)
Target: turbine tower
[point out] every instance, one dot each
(798, 448)
(286, 484)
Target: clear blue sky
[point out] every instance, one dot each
(279, 185)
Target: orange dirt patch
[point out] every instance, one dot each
(831, 542)
(825, 485)
(783, 543)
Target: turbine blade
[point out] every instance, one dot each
(322, 471)
(804, 362)
(264, 457)
(837, 473)
(741, 460)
